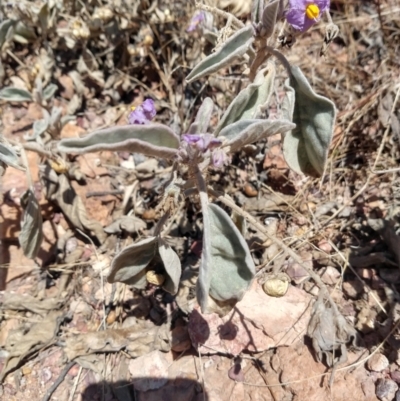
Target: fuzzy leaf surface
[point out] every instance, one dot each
(305, 148)
(203, 117)
(129, 266)
(172, 266)
(249, 103)
(272, 12)
(244, 132)
(155, 140)
(9, 157)
(236, 46)
(15, 94)
(31, 235)
(5, 27)
(49, 91)
(231, 265)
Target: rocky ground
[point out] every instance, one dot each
(67, 334)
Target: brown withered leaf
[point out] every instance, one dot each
(59, 190)
(136, 340)
(329, 332)
(25, 341)
(31, 235)
(27, 302)
(271, 202)
(129, 224)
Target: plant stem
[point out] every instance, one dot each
(203, 283)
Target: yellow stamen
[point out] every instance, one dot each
(312, 11)
(133, 108)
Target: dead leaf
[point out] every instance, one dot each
(31, 235)
(59, 190)
(136, 340)
(129, 224)
(29, 303)
(329, 332)
(23, 342)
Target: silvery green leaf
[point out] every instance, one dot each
(39, 127)
(5, 27)
(172, 266)
(249, 103)
(256, 10)
(9, 157)
(155, 140)
(272, 12)
(43, 16)
(236, 46)
(245, 132)
(31, 235)
(15, 94)
(305, 148)
(203, 117)
(56, 113)
(23, 33)
(231, 267)
(129, 266)
(49, 91)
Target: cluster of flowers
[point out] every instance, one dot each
(197, 146)
(193, 147)
(301, 15)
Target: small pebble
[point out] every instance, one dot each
(386, 389)
(378, 362)
(365, 273)
(26, 370)
(352, 288)
(325, 246)
(149, 214)
(154, 278)
(249, 190)
(330, 275)
(395, 376)
(277, 285)
(297, 273)
(111, 317)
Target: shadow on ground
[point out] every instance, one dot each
(179, 389)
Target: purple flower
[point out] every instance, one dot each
(191, 139)
(197, 18)
(219, 158)
(202, 142)
(302, 14)
(142, 114)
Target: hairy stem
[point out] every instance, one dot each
(203, 283)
